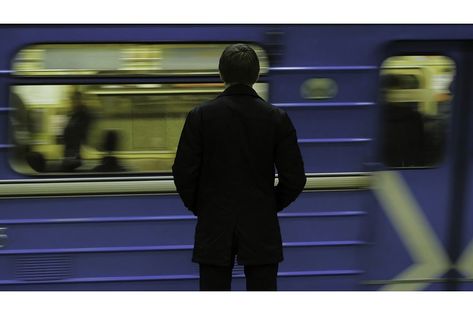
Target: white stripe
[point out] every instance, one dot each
(126, 186)
(430, 259)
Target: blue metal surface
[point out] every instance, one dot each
(352, 122)
(321, 68)
(330, 104)
(335, 157)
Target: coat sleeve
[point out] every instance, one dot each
(187, 164)
(289, 164)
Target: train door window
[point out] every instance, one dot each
(417, 99)
(109, 127)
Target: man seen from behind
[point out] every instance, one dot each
(224, 172)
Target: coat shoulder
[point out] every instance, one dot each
(252, 104)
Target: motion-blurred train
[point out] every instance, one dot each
(90, 117)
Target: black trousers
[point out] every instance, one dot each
(219, 278)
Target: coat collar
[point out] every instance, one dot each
(238, 89)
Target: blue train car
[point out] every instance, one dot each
(383, 119)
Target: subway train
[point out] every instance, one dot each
(90, 117)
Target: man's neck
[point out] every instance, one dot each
(231, 84)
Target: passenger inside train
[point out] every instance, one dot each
(416, 97)
(110, 163)
(75, 133)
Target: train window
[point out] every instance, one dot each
(103, 128)
(416, 94)
(123, 59)
(116, 127)
(319, 88)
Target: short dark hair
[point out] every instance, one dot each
(239, 64)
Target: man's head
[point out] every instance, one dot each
(239, 64)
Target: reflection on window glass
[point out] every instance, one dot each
(416, 92)
(102, 128)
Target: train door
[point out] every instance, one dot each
(420, 188)
(462, 208)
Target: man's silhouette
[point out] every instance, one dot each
(224, 172)
(75, 133)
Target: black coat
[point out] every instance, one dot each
(224, 172)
